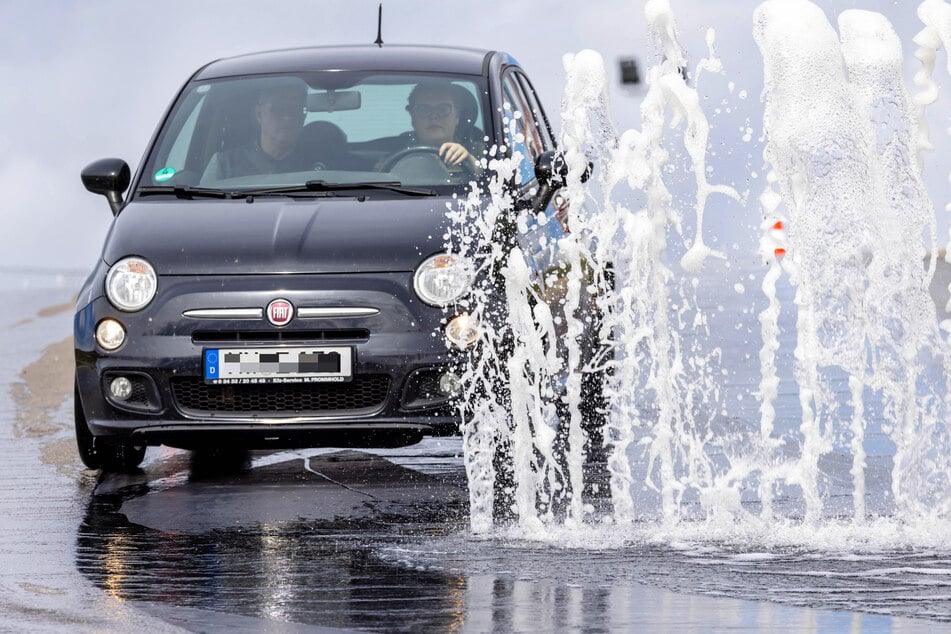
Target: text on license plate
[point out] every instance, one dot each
(278, 365)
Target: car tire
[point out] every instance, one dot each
(596, 490)
(503, 499)
(85, 441)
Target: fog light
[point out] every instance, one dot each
(110, 334)
(462, 331)
(121, 388)
(450, 384)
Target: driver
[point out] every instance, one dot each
(280, 112)
(435, 110)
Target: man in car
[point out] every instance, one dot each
(280, 112)
(435, 109)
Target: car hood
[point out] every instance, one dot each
(343, 235)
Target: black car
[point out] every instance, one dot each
(278, 274)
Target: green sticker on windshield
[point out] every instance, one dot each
(164, 174)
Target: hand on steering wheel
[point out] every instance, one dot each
(444, 154)
(453, 153)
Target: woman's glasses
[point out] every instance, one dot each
(427, 110)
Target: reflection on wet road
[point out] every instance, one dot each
(350, 540)
(330, 540)
(293, 541)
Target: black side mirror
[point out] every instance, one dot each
(551, 170)
(109, 177)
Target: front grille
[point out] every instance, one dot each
(364, 394)
(140, 395)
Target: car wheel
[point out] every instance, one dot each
(85, 441)
(594, 413)
(503, 500)
(119, 454)
(597, 477)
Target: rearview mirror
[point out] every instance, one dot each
(333, 101)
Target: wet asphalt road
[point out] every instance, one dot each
(322, 540)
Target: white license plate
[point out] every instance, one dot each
(278, 365)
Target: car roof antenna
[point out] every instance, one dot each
(379, 27)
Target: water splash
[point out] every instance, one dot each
(476, 222)
(839, 128)
(657, 389)
(936, 17)
(846, 220)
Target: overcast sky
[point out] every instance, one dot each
(85, 80)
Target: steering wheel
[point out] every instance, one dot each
(421, 150)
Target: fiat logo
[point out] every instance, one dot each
(280, 312)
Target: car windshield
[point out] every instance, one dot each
(338, 128)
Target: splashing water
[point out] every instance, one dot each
(846, 219)
(936, 16)
(841, 146)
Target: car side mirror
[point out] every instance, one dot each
(551, 172)
(109, 177)
(551, 169)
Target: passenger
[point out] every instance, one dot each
(435, 109)
(280, 111)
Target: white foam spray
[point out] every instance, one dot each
(772, 250)
(845, 216)
(840, 140)
(936, 17)
(657, 386)
(474, 222)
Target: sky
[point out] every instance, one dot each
(86, 80)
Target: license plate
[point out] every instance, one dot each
(278, 365)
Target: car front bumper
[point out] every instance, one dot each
(393, 397)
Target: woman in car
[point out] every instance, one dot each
(436, 109)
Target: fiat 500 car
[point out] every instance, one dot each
(276, 273)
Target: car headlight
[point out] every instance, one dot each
(131, 284)
(442, 279)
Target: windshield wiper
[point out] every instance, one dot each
(393, 186)
(324, 186)
(184, 191)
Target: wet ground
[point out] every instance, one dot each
(330, 540)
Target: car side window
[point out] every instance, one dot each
(559, 204)
(526, 129)
(536, 118)
(520, 135)
(528, 133)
